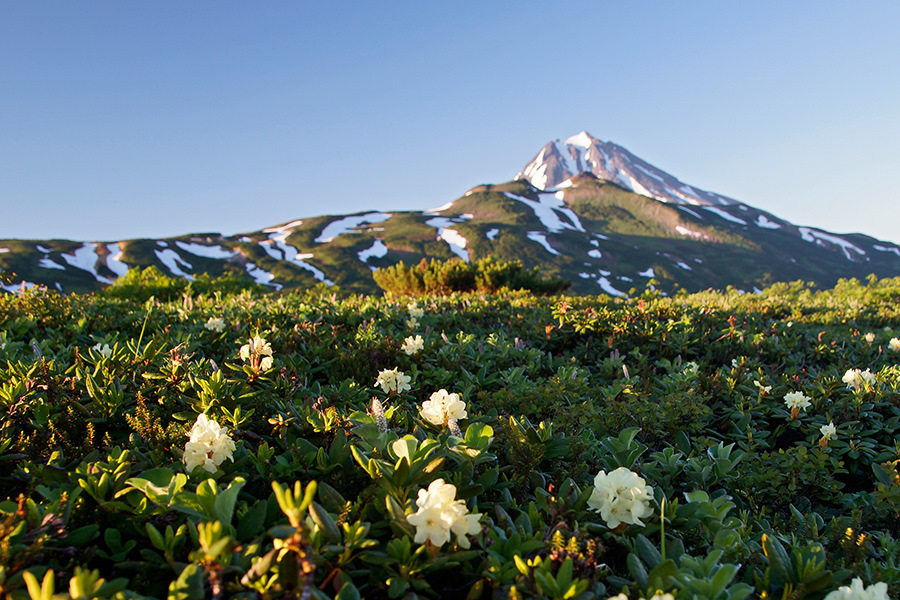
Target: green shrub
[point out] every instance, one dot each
(436, 277)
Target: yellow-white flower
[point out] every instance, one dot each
(869, 337)
(209, 445)
(856, 379)
(765, 389)
(258, 353)
(621, 497)
(392, 380)
(894, 344)
(857, 591)
(414, 311)
(796, 401)
(412, 322)
(828, 431)
(439, 513)
(690, 368)
(105, 351)
(443, 407)
(216, 324)
(412, 345)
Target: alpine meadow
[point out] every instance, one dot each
(590, 381)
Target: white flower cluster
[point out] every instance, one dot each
(393, 381)
(857, 591)
(828, 431)
(105, 351)
(415, 313)
(856, 379)
(621, 497)
(894, 345)
(439, 513)
(764, 389)
(258, 353)
(796, 401)
(209, 445)
(442, 408)
(216, 324)
(412, 345)
(869, 337)
(690, 368)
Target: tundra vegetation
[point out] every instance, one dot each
(227, 443)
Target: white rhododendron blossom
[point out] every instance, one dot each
(869, 337)
(858, 591)
(894, 345)
(414, 311)
(258, 353)
(412, 345)
(443, 407)
(828, 431)
(412, 323)
(392, 380)
(105, 351)
(690, 368)
(796, 401)
(209, 445)
(621, 496)
(439, 513)
(856, 379)
(216, 324)
(765, 389)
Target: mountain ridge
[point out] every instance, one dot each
(619, 224)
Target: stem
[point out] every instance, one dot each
(141, 337)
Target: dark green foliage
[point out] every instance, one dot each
(98, 394)
(142, 284)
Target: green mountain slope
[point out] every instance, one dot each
(600, 236)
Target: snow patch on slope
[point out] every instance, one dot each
(492, 233)
(261, 276)
(762, 221)
(895, 250)
(86, 258)
(691, 233)
(49, 264)
(174, 262)
(453, 238)
(347, 224)
(820, 237)
(377, 250)
(724, 215)
(114, 260)
(540, 238)
(205, 251)
(607, 287)
(284, 227)
(548, 208)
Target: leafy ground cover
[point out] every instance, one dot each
(716, 445)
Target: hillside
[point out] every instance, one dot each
(606, 234)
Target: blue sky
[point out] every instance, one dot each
(122, 120)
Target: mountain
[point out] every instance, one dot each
(559, 161)
(583, 209)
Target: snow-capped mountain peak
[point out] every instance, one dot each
(559, 160)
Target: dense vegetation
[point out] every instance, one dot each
(326, 484)
(436, 277)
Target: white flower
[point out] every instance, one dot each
(439, 513)
(762, 388)
(393, 381)
(414, 311)
(870, 337)
(216, 324)
(412, 345)
(105, 351)
(690, 368)
(828, 431)
(258, 353)
(662, 597)
(796, 400)
(894, 344)
(412, 322)
(857, 591)
(442, 407)
(209, 445)
(856, 379)
(621, 497)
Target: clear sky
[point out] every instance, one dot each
(153, 119)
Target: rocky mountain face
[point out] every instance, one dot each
(585, 210)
